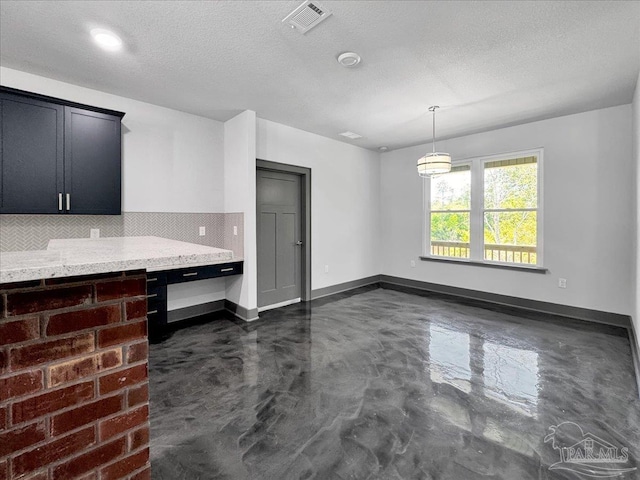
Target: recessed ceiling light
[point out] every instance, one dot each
(351, 135)
(106, 39)
(349, 59)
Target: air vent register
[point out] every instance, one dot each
(306, 16)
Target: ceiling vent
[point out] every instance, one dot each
(307, 16)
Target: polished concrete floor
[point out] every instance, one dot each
(381, 384)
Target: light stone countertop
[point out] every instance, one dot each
(87, 256)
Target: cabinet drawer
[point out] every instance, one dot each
(157, 316)
(157, 298)
(188, 274)
(201, 273)
(224, 269)
(154, 290)
(157, 309)
(156, 279)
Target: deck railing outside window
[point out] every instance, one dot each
(492, 252)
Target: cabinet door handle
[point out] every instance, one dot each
(151, 312)
(227, 269)
(60, 202)
(153, 295)
(68, 202)
(152, 279)
(192, 274)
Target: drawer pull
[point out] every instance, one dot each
(152, 295)
(151, 312)
(227, 269)
(152, 279)
(192, 274)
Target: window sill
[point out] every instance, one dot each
(517, 267)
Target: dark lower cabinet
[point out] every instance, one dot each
(58, 156)
(157, 305)
(200, 273)
(157, 291)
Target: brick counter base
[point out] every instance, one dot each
(74, 392)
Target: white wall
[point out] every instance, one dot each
(172, 161)
(345, 186)
(589, 214)
(182, 295)
(240, 196)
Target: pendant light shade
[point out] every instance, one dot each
(434, 163)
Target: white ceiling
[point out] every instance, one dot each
(488, 64)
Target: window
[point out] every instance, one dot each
(487, 210)
(451, 213)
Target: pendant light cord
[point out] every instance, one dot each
(432, 109)
(433, 138)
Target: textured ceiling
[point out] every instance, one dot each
(488, 64)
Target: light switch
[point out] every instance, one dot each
(202, 231)
(235, 230)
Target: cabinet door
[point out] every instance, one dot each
(92, 176)
(31, 142)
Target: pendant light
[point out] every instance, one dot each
(434, 163)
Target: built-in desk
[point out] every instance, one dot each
(157, 282)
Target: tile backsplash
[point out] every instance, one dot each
(177, 226)
(33, 232)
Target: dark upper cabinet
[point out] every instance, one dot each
(32, 155)
(92, 167)
(58, 156)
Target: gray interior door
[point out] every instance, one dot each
(279, 237)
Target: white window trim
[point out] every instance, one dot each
(476, 256)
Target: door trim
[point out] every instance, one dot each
(305, 174)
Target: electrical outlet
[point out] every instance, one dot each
(326, 269)
(235, 230)
(202, 231)
(413, 263)
(95, 233)
(562, 283)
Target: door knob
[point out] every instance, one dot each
(299, 243)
